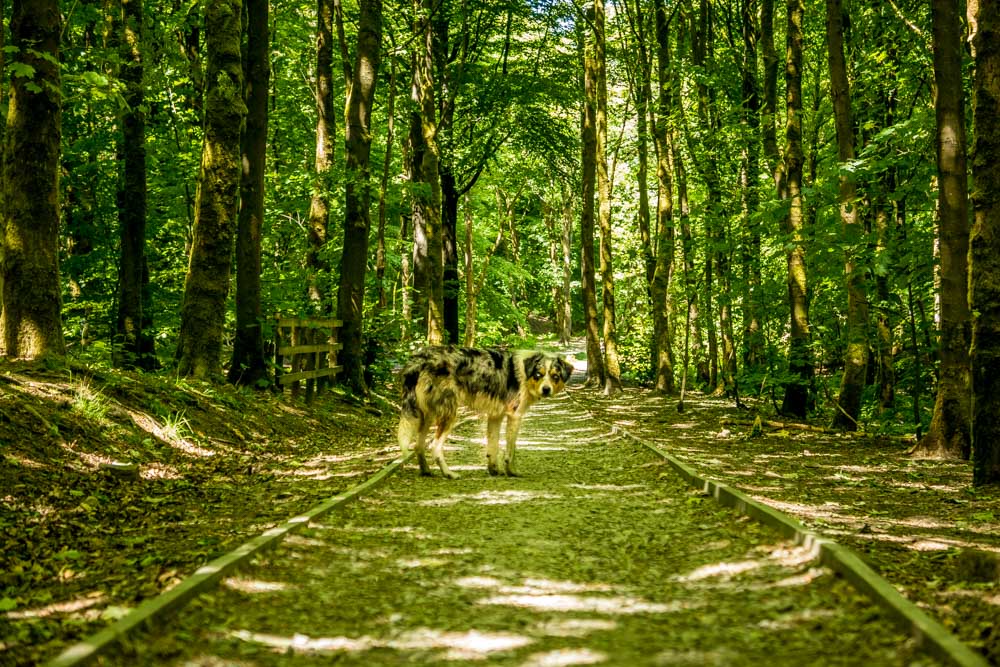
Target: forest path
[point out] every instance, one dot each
(599, 555)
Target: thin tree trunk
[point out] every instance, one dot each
(566, 243)
(852, 383)
(248, 366)
(384, 188)
(595, 358)
(797, 398)
(326, 129)
(753, 307)
(30, 322)
(128, 349)
(985, 245)
(415, 156)
(949, 435)
(769, 111)
(664, 256)
(612, 366)
(357, 197)
(203, 310)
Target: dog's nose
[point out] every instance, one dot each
(546, 391)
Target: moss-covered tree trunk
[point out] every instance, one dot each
(588, 132)
(357, 200)
(754, 343)
(317, 263)
(800, 367)
(852, 382)
(30, 321)
(380, 254)
(984, 288)
(203, 310)
(612, 365)
(429, 200)
(248, 365)
(949, 435)
(131, 317)
(664, 247)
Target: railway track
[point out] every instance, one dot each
(601, 554)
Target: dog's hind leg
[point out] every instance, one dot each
(513, 428)
(493, 444)
(413, 430)
(421, 450)
(437, 448)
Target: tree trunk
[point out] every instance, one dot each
(357, 197)
(800, 367)
(30, 323)
(949, 435)
(429, 202)
(664, 255)
(317, 264)
(595, 358)
(612, 366)
(566, 244)
(769, 112)
(852, 383)
(248, 366)
(384, 189)
(203, 310)
(754, 343)
(984, 292)
(449, 255)
(127, 351)
(414, 159)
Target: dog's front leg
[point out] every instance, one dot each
(493, 444)
(513, 427)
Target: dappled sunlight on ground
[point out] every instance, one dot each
(490, 498)
(244, 585)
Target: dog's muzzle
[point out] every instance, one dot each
(546, 391)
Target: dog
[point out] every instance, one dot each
(494, 383)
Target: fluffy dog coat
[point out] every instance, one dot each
(494, 383)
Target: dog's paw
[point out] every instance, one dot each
(453, 475)
(426, 473)
(492, 469)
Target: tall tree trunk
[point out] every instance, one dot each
(203, 310)
(248, 366)
(357, 198)
(317, 265)
(852, 383)
(595, 358)
(30, 322)
(383, 190)
(566, 244)
(429, 202)
(984, 292)
(949, 435)
(753, 307)
(414, 159)
(128, 349)
(769, 112)
(664, 256)
(612, 365)
(800, 366)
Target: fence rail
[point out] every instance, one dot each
(305, 348)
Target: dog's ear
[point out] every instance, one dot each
(565, 368)
(531, 363)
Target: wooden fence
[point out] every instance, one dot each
(305, 348)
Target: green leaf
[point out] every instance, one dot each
(23, 70)
(8, 604)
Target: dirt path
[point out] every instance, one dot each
(599, 555)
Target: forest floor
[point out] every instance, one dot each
(80, 545)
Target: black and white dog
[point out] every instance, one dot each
(493, 383)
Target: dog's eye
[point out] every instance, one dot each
(537, 375)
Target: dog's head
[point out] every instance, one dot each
(546, 374)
